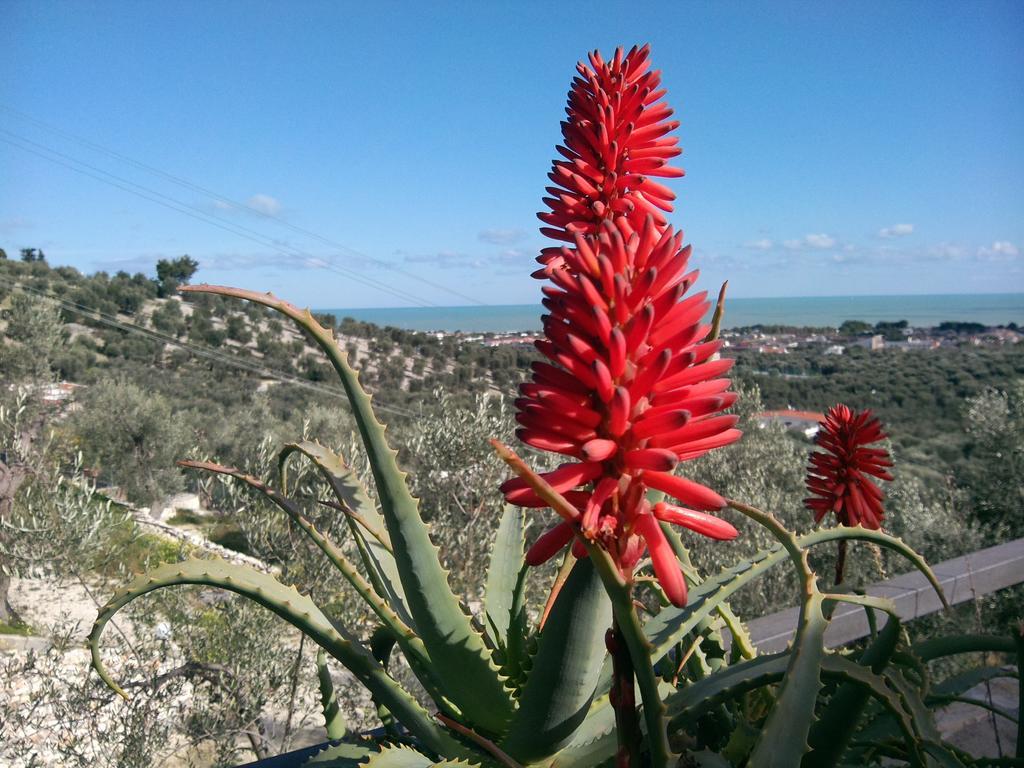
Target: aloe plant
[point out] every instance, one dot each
(635, 660)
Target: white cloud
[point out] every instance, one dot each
(819, 241)
(763, 244)
(264, 204)
(896, 230)
(813, 241)
(501, 236)
(999, 250)
(946, 251)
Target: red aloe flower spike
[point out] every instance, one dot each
(630, 387)
(838, 475)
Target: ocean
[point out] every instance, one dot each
(808, 311)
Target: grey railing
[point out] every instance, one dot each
(962, 578)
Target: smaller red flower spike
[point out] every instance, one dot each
(838, 474)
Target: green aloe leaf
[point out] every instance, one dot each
(341, 756)
(685, 706)
(411, 645)
(594, 741)
(397, 757)
(940, 647)
(833, 731)
(560, 688)
(299, 611)
(365, 521)
(458, 654)
(671, 624)
(334, 721)
(503, 576)
(823, 535)
(783, 739)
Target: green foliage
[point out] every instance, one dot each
(855, 328)
(168, 318)
(32, 255)
(994, 420)
(33, 336)
(130, 434)
(19, 628)
(170, 273)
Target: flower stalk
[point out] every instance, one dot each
(623, 699)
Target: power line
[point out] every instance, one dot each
(199, 350)
(237, 204)
(201, 215)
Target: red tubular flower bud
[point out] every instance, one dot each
(698, 522)
(599, 450)
(666, 567)
(691, 449)
(640, 327)
(694, 430)
(690, 493)
(653, 424)
(549, 544)
(618, 412)
(656, 459)
(548, 441)
(617, 353)
(604, 490)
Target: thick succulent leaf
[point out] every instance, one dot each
(559, 691)
(503, 575)
(407, 639)
(882, 539)
(686, 705)
(783, 739)
(913, 703)
(959, 684)
(742, 644)
(940, 647)
(458, 654)
(397, 756)
(672, 624)
(334, 721)
(833, 731)
(594, 741)
(940, 756)
(341, 756)
(299, 611)
(365, 520)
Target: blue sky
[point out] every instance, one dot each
(830, 148)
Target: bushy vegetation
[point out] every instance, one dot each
(955, 416)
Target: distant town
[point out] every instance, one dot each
(781, 340)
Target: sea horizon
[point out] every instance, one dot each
(919, 310)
